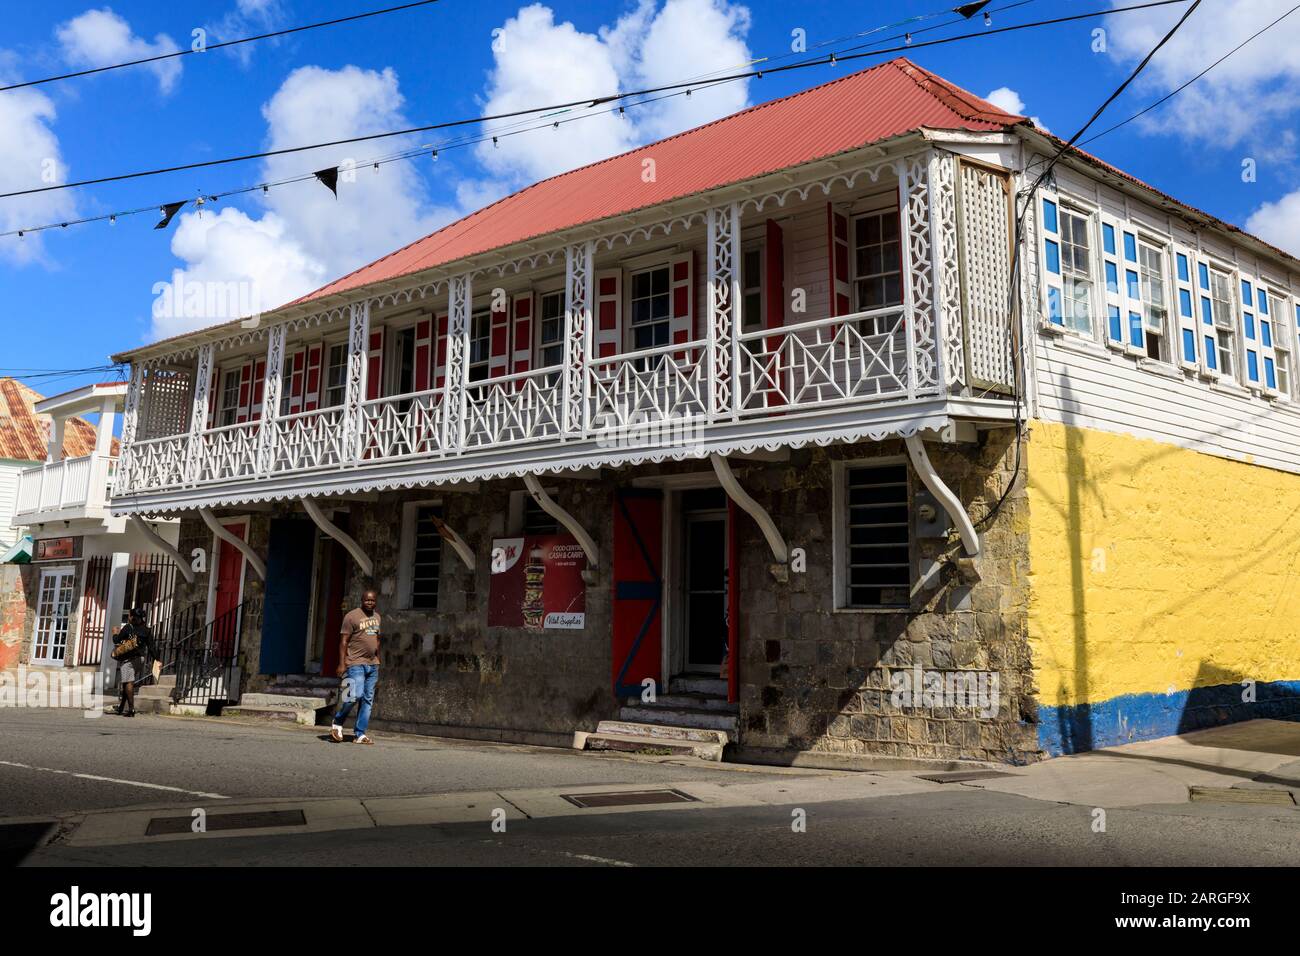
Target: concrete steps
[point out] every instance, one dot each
(693, 718)
(300, 708)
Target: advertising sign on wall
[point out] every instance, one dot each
(57, 549)
(537, 583)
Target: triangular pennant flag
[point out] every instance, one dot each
(168, 211)
(330, 177)
(969, 10)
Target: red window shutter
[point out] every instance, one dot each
(245, 393)
(681, 281)
(837, 248)
(609, 313)
(440, 354)
(522, 323)
(259, 387)
(375, 364)
(499, 340)
(423, 353)
(297, 377)
(311, 378)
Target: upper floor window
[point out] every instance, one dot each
(336, 375)
(228, 407)
(651, 307)
(1076, 271)
(877, 261)
(480, 344)
(402, 373)
(1155, 307)
(550, 330)
(1225, 326)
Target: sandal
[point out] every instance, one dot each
(362, 739)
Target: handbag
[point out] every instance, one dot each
(157, 669)
(127, 648)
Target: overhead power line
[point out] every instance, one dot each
(1172, 93)
(217, 46)
(1017, 265)
(830, 59)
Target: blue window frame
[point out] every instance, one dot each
(1135, 329)
(1248, 320)
(1134, 288)
(1053, 257)
(1112, 278)
(1211, 359)
(1049, 215)
(1116, 327)
(1263, 302)
(1245, 292)
(1207, 311)
(1183, 274)
(1185, 303)
(1189, 345)
(1252, 365)
(1108, 237)
(1205, 275)
(1130, 247)
(1265, 334)
(1270, 373)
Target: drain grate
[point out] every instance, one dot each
(961, 776)
(1272, 798)
(627, 798)
(228, 821)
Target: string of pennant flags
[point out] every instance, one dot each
(330, 176)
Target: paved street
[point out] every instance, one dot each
(97, 784)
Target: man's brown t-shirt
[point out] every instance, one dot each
(362, 633)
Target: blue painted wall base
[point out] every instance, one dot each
(1134, 717)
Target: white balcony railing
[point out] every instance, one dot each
(867, 358)
(69, 484)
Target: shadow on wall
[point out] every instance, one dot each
(1217, 695)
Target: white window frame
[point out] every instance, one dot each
(1157, 326)
(326, 348)
(68, 572)
(1233, 327)
(759, 247)
(1070, 274)
(539, 347)
(219, 420)
(482, 315)
(840, 534)
(629, 326)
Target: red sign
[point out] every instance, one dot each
(58, 549)
(537, 583)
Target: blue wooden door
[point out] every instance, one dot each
(288, 596)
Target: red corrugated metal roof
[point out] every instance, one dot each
(855, 110)
(24, 434)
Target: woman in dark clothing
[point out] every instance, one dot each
(131, 667)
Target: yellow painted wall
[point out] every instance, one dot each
(1156, 568)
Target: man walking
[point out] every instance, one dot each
(358, 666)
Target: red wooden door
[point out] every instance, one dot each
(230, 575)
(337, 570)
(638, 589)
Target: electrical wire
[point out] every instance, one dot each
(216, 46)
(1013, 297)
(592, 101)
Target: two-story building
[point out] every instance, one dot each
(751, 430)
(84, 567)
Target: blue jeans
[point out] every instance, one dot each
(358, 685)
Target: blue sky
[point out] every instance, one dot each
(71, 297)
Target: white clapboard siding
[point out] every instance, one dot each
(1108, 391)
(8, 501)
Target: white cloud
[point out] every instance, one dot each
(1005, 98)
(29, 156)
(1278, 222)
(246, 18)
(101, 38)
(235, 266)
(306, 237)
(540, 61)
(1240, 100)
